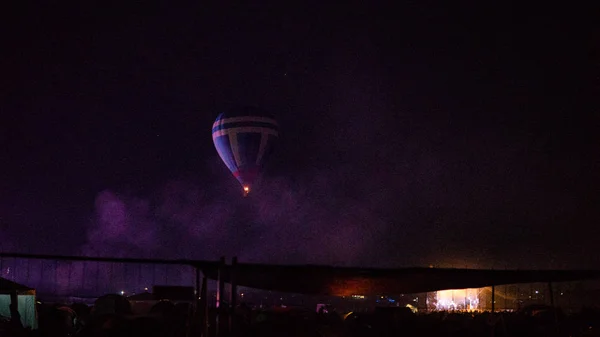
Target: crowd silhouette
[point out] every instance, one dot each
(113, 315)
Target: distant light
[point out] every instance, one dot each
(146, 289)
(242, 294)
(122, 292)
(537, 292)
(561, 294)
(246, 190)
(457, 299)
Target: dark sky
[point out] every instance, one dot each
(454, 135)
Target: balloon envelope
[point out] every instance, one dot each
(244, 139)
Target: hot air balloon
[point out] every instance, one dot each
(244, 139)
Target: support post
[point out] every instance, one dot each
(232, 294)
(15, 317)
(492, 316)
(220, 283)
(204, 306)
(197, 292)
(551, 291)
(196, 323)
(551, 294)
(505, 297)
(14, 300)
(493, 298)
(220, 326)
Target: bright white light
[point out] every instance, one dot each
(459, 299)
(537, 292)
(122, 292)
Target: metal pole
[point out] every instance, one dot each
(493, 298)
(197, 304)
(220, 296)
(220, 282)
(232, 294)
(198, 295)
(14, 305)
(553, 307)
(204, 305)
(493, 317)
(505, 296)
(551, 294)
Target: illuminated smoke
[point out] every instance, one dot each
(122, 226)
(282, 222)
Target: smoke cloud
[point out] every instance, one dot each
(281, 222)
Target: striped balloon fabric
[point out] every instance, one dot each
(244, 139)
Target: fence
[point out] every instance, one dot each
(87, 278)
(58, 278)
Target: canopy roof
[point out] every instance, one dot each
(8, 286)
(340, 281)
(343, 281)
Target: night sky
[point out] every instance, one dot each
(452, 135)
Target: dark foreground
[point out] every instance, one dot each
(179, 320)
